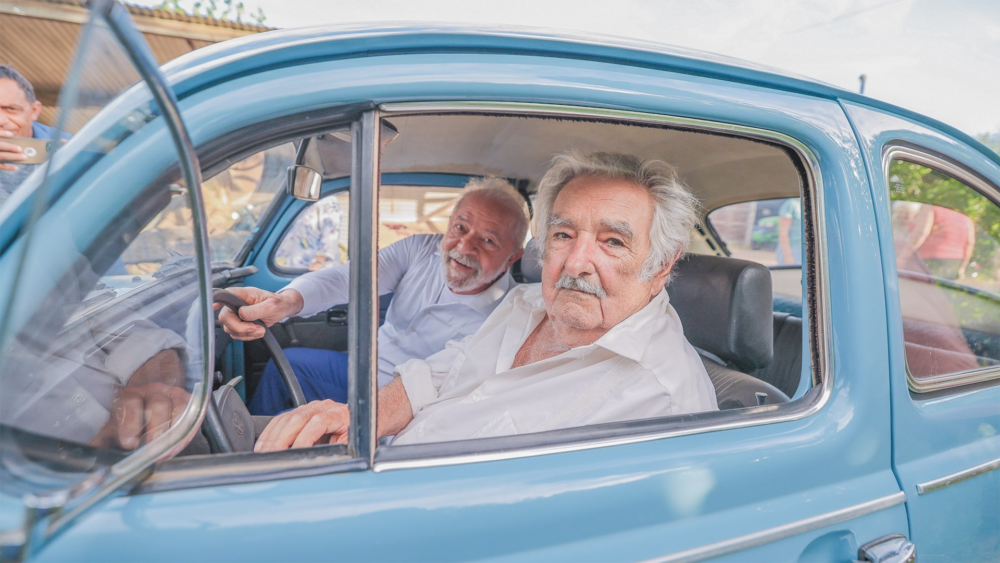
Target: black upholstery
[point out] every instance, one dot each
(531, 262)
(785, 368)
(725, 307)
(737, 390)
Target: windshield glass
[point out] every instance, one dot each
(235, 201)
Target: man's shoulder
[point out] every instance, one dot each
(42, 131)
(418, 243)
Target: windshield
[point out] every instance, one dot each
(236, 199)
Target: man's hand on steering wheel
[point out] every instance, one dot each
(261, 305)
(305, 426)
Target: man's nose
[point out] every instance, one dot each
(580, 260)
(467, 243)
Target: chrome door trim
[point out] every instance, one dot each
(957, 477)
(990, 192)
(821, 358)
(777, 533)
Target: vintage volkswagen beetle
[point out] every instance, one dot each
(871, 351)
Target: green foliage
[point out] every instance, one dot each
(991, 140)
(216, 9)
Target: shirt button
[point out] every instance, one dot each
(420, 428)
(413, 329)
(475, 398)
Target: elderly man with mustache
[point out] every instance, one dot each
(444, 287)
(597, 341)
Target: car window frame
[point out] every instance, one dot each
(943, 164)
(215, 155)
(817, 308)
(214, 470)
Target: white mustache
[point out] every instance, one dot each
(465, 260)
(567, 281)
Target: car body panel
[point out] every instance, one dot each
(948, 432)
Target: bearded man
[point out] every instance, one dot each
(596, 341)
(444, 287)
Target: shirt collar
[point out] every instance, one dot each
(630, 338)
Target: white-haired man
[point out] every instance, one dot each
(444, 287)
(597, 341)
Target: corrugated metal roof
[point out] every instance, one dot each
(40, 36)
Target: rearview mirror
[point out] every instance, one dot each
(304, 183)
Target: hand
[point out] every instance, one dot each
(305, 426)
(261, 305)
(9, 151)
(148, 405)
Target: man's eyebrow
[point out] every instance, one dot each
(620, 227)
(557, 221)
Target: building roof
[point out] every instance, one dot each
(40, 38)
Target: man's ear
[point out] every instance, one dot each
(660, 278)
(36, 110)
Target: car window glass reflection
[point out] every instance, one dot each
(947, 245)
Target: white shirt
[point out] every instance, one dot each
(641, 368)
(423, 315)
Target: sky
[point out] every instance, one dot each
(940, 58)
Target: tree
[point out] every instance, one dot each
(991, 140)
(216, 9)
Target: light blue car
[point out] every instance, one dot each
(859, 391)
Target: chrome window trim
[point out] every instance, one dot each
(911, 154)
(957, 477)
(783, 531)
(819, 326)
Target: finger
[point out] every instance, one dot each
(179, 399)
(8, 167)
(237, 327)
(271, 431)
(6, 133)
(288, 433)
(320, 424)
(130, 419)
(157, 411)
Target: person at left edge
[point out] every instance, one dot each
(19, 110)
(443, 286)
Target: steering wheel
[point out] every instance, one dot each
(227, 419)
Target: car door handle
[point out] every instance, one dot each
(336, 317)
(894, 548)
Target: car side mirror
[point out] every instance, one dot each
(304, 183)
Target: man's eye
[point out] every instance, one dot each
(615, 242)
(562, 236)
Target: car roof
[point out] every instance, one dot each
(200, 69)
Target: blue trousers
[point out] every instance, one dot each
(321, 373)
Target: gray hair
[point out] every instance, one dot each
(502, 193)
(675, 209)
(12, 73)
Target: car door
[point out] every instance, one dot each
(939, 220)
(104, 368)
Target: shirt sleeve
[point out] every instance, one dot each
(422, 379)
(325, 288)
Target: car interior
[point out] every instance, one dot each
(750, 340)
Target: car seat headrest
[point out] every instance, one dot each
(531, 262)
(725, 308)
